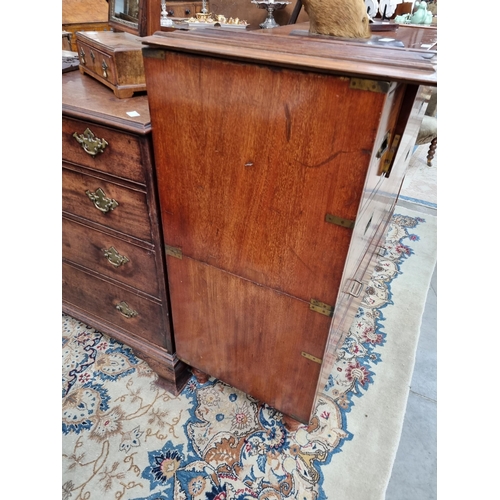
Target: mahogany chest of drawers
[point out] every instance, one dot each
(279, 162)
(113, 259)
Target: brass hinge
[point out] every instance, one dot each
(370, 85)
(153, 53)
(173, 251)
(311, 357)
(321, 307)
(335, 219)
(389, 158)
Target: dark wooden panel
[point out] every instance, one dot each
(236, 186)
(100, 298)
(84, 246)
(130, 216)
(247, 335)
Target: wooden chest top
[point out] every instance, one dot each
(351, 58)
(85, 98)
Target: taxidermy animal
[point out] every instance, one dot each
(343, 18)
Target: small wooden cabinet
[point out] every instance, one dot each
(113, 260)
(279, 163)
(114, 59)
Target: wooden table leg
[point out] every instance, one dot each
(290, 423)
(201, 377)
(432, 150)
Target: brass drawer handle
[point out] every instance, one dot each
(90, 143)
(104, 67)
(92, 56)
(355, 288)
(82, 56)
(101, 201)
(124, 309)
(114, 258)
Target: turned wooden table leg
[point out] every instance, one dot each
(201, 377)
(432, 150)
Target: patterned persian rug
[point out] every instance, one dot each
(126, 438)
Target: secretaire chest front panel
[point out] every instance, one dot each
(252, 166)
(250, 336)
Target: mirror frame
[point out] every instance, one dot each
(148, 19)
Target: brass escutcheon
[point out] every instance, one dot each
(90, 143)
(124, 309)
(101, 201)
(114, 257)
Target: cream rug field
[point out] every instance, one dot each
(123, 437)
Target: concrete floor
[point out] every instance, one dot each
(414, 474)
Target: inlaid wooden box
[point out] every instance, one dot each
(114, 59)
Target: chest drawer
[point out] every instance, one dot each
(120, 208)
(106, 301)
(110, 256)
(100, 148)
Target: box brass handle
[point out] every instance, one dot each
(92, 56)
(82, 57)
(101, 201)
(114, 258)
(104, 67)
(124, 309)
(90, 143)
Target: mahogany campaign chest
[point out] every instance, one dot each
(279, 162)
(113, 265)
